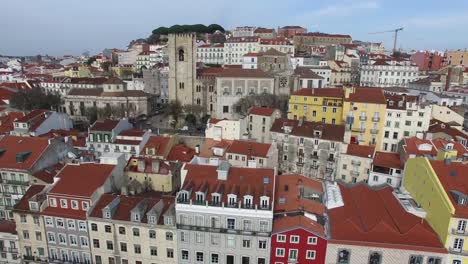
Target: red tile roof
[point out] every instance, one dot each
(322, 35)
(243, 73)
(306, 73)
(104, 125)
(127, 203)
(209, 72)
(7, 121)
(264, 30)
(437, 126)
(163, 167)
(320, 92)
(206, 149)
(412, 146)
(441, 143)
(240, 181)
(7, 226)
(360, 150)
(23, 204)
(453, 177)
(388, 160)
(287, 223)
(159, 143)
(82, 179)
(249, 148)
(367, 95)
(289, 194)
(14, 145)
(181, 153)
(215, 120)
(133, 132)
(376, 218)
(262, 111)
(251, 54)
(328, 131)
(47, 175)
(242, 39)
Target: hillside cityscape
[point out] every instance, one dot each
(240, 145)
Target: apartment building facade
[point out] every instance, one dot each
(317, 105)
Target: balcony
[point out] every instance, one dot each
(374, 131)
(457, 251)
(300, 164)
(354, 173)
(375, 119)
(314, 167)
(331, 159)
(11, 250)
(224, 230)
(459, 232)
(15, 182)
(362, 118)
(359, 129)
(329, 169)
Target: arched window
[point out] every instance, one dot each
(181, 55)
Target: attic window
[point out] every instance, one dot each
(107, 214)
(152, 219)
(136, 217)
(266, 180)
(22, 156)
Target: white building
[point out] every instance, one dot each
(387, 168)
(250, 61)
(9, 243)
(236, 47)
(245, 31)
(447, 115)
(324, 72)
(388, 72)
(211, 54)
(280, 44)
(405, 117)
(219, 129)
(39, 122)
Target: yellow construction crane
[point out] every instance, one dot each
(395, 37)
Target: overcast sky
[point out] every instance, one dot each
(57, 27)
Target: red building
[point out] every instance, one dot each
(428, 60)
(290, 31)
(299, 235)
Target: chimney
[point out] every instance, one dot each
(448, 79)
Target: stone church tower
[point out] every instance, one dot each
(182, 67)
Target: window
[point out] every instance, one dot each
(214, 258)
(85, 206)
(38, 236)
(458, 244)
(153, 251)
(169, 236)
(74, 204)
(136, 232)
(73, 240)
(225, 109)
(416, 259)
(262, 244)
(199, 256)
(181, 55)
(62, 239)
(94, 227)
(152, 234)
(280, 238)
(60, 223)
(199, 237)
(53, 202)
(312, 240)
(108, 229)
(389, 181)
(51, 237)
(279, 252)
(294, 239)
(123, 247)
(231, 223)
(461, 226)
(84, 241)
(25, 234)
(170, 252)
(246, 243)
(310, 254)
(263, 226)
(245, 260)
(152, 219)
(435, 260)
(215, 239)
(375, 258)
(63, 203)
(343, 256)
(121, 230)
(71, 224)
(110, 245)
(231, 241)
(82, 226)
(292, 255)
(98, 260)
(185, 254)
(137, 249)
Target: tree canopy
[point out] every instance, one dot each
(35, 99)
(243, 105)
(197, 28)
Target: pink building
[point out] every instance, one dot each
(428, 60)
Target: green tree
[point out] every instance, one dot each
(90, 61)
(243, 105)
(105, 66)
(191, 120)
(213, 27)
(35, 99)
(174, 110)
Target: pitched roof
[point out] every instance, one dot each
(7, 121)
(328, 131)
(320, 92)
(367, 95)
(360, 150)
(240, 181)
(373, 216)
(209, 72)
(290, 193)
(14, 145)
(81, 179)
(243, 73)
(148, 165)
(306, 73)
(181, 153)
(272, 52)
(159, 143)
(23, 204)
(85, 91)
(286, 223)
(437, 126)
(249, 148)
(319, 34)
(104, 125)
(453, 177)
(262, 111)
(388, 160)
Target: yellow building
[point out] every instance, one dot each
(440, 187)
(319, 105)
(364, 113)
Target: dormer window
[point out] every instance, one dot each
(232, 199)
(136, 217)
(200, 197)
(264, 202)
(85, 206)
(248, 201)
(449, 146)
(215, 198)
(33, 206)
(152, 219)
(74, 204)
(107, 214)
(183, 197)
(168, 220)
(53, 202)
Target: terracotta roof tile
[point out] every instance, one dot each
(376, 217)
(82, 179)
(437, 126)
(249, 148)
(306, 73)
(286, 223)
(262, 111)
(181, 153)
(367, 95)
(328, 131)
(318, 34)
(14, 145)
(360, 150)
(388, 160)
(159, 143)
(243, 73)
(104, 125)
(23, 204)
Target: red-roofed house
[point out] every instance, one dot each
(355, 163)
(152, 174)
(299, 233)
(159, 146)
(432, 148)
(387, 168)
(252, 154)
(6, 121)
(233, 199)
(20, 159)
(439, 129)
(388, 72)
(9, 242)
(144, 224)
(39, 121)
(260, 120)
(27, 215)
(77, 189)
(373, 226)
